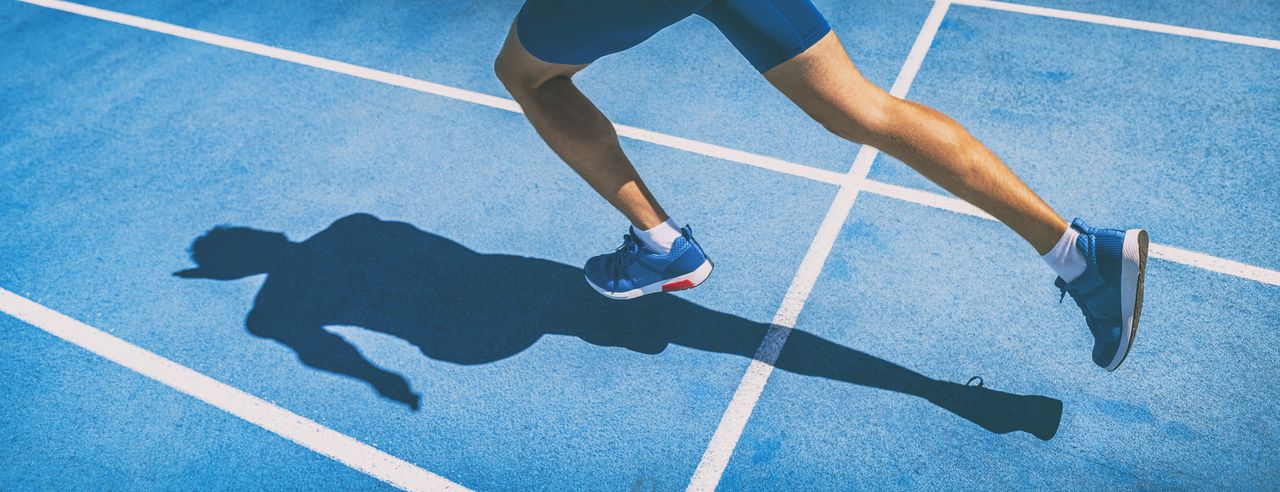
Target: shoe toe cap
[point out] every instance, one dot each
(1106, 343)
(596, 271)
(599, 273)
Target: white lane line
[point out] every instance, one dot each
(410, 83)
(850, 184)
(716, 457)
(307, 433)
(733, 155)
(1161, 251)
(279, 54)
(1125, 23)
(925, 198)
(1200, 260)
(729, 431)
(1215, 264)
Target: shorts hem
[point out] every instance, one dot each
(538, 53)
(805, 43)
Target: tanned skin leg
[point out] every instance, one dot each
(576, 130)
(824, 83)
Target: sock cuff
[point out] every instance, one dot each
(1065, 258)
(661, 237)
(1064, 244)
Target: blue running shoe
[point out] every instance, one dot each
(1110, 290)
(633, 270)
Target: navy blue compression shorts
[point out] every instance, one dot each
(577, 32)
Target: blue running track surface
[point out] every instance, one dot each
(119, 147)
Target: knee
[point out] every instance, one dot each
(506, 72)
(867, 123)
(517, 80)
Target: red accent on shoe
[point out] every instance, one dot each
(681, 285)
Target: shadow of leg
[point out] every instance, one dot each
(993, 410)
(998, 411)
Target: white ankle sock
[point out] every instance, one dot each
(660, 238)
(1065, 258)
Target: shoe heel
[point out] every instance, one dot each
(690, 280)
(681, 285)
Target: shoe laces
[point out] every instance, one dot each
(1079, 299)
(1062, 290)
(689, 236)
(630, 247)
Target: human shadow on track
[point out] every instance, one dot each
(464, 307)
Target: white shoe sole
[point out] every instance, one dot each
(1132, 275)
(683, 282)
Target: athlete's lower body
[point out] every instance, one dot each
(791, 44)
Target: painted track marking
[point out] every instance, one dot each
(418, 85)
(1164, 252)
(729, 431)
(1167, 253)
(301, 430)
(408, 476)
(1125, 23)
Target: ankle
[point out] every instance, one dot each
(1065, 258)
(660, 238)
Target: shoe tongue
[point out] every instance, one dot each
(641, 246)
(635, 238)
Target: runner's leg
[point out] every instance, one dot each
(576, 130)
(824, 83)
(552, 40)
(1102, 269)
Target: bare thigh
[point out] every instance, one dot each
(824, 83)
